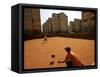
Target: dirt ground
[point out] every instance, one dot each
(38, 55)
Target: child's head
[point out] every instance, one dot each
(68, 49)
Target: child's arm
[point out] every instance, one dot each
(61, 61)
(65, 60)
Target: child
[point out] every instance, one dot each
(70, 59)
(45, 39)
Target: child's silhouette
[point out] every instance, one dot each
(45, 39)
(70, 59)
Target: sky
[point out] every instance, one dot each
(46, 13)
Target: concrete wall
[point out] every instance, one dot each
(88, 21)
(70, 27)
(32, 24)
(57, 24)
(63, 21)
(77, 25)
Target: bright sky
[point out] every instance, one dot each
(46, 13)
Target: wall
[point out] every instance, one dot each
(5, 38)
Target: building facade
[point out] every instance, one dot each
(71, 27)
(77, 25)
(32, 24)
(88, 21)
(63, 22)
(57, 24)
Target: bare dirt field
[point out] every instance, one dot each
(38, 55)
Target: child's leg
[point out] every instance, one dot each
(43, 41)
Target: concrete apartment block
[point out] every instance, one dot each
(63, 22)
(88, 20)
(32, 24)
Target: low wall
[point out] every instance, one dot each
(73, 35)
